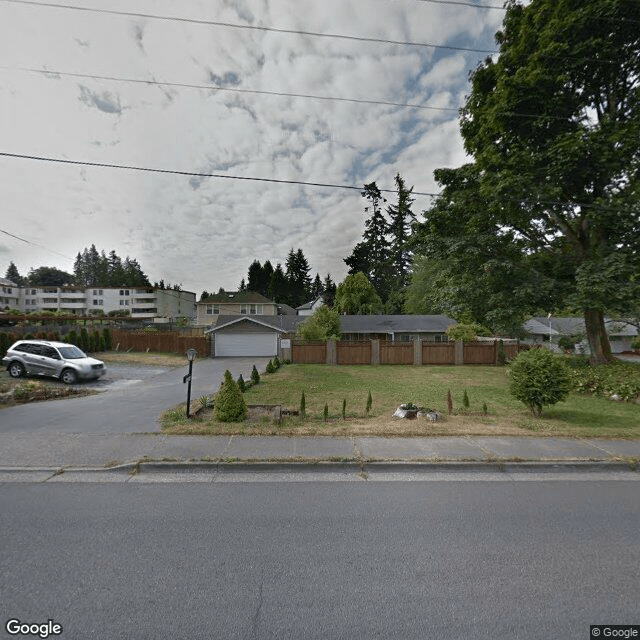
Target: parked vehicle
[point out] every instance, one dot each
(53, 359)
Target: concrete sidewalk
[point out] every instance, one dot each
(100, 451)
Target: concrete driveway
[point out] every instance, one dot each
(131, 401)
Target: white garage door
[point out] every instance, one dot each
(246, 344)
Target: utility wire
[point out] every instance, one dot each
(250, 27)
(466, 4)
(35, 244)
(214, 87)
(193, 173)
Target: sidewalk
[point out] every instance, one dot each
(92, 451)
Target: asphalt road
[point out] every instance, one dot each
(451, 560)
(131, 400)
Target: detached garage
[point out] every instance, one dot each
(244, 337)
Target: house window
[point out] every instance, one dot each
(98, 302)
(213, 309)
(124, 292)
(253, 309)
(441, 337)
(124, 303)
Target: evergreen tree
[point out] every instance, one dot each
(279, 286)
(297, 274)
(372, 255)
(316, 288)
(329, 287)
(229, 404)
(14, 276)
(401, 217)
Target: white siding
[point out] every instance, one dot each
(246, 344)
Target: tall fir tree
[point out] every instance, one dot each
(401, 218)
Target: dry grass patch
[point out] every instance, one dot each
(143, 359)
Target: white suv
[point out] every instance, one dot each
(53, 359)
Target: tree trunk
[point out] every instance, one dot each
(597, 337)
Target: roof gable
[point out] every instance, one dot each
(249, 319)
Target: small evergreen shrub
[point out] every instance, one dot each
(449, 402)
(539, 378)
(465, 400)
(255, 376)
(344, 409)
(270, 367)
(106, 334)
(241, 384)
(325, 413)
(369, 402)
(303, 406)
(484, 408)
(229, 404)
(276, 363)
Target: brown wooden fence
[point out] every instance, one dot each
(308, 352)
(353, 351)
(166, 342)
(438, 353)
(480, 353)
(396, 352)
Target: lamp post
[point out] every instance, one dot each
(191, 356)
(549, 319)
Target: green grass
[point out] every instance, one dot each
(579, 416)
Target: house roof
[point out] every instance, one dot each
(7, 283)
(395, 324)
(226, 321)
(575, 326)
(308, 305)
(239, 297)
(353, 324)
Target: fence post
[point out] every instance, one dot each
(375, 352)
(417, 351)
(332, 354)
(459, 352)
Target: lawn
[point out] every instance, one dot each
(427, 386)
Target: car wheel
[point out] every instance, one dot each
(16, 370)
(68, 376)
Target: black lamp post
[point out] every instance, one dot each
(191, 356)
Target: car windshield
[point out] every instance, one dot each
(72, 353)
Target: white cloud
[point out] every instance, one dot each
(199, 231)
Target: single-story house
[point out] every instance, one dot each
(550, 330)
(251, 335)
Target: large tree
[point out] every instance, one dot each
(357, 296)
(14, 275)
(401, 218)
(372, 255)
(553, 124)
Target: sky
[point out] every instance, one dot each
(203, 232)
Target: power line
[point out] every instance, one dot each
(35, 244)
(194, 174)
(466, 4)
(213, 87)
(249, 27)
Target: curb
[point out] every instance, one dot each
(350, 466)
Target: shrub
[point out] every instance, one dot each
(325, 413)
(344, 409)
(255, 376)
(538, 378)
(276, 363)
(369, 402)
(241, 384)
(303, 406)
(449, 402)
(466, 332)
(106, 334)
(229, 404)
(465, 399)
(270, 367)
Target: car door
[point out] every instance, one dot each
(50, 361)
(32, 358)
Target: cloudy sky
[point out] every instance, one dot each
(203, 232)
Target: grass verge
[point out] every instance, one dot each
(427, 386)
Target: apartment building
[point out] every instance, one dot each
(139, 302)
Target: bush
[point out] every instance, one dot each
(241, 384)
(465, 399)
(270, 367)
(619, 378)
(303, 406)
(229, 404)
(539, 378)
(276, 363)
(466, 332)
(255, 376)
